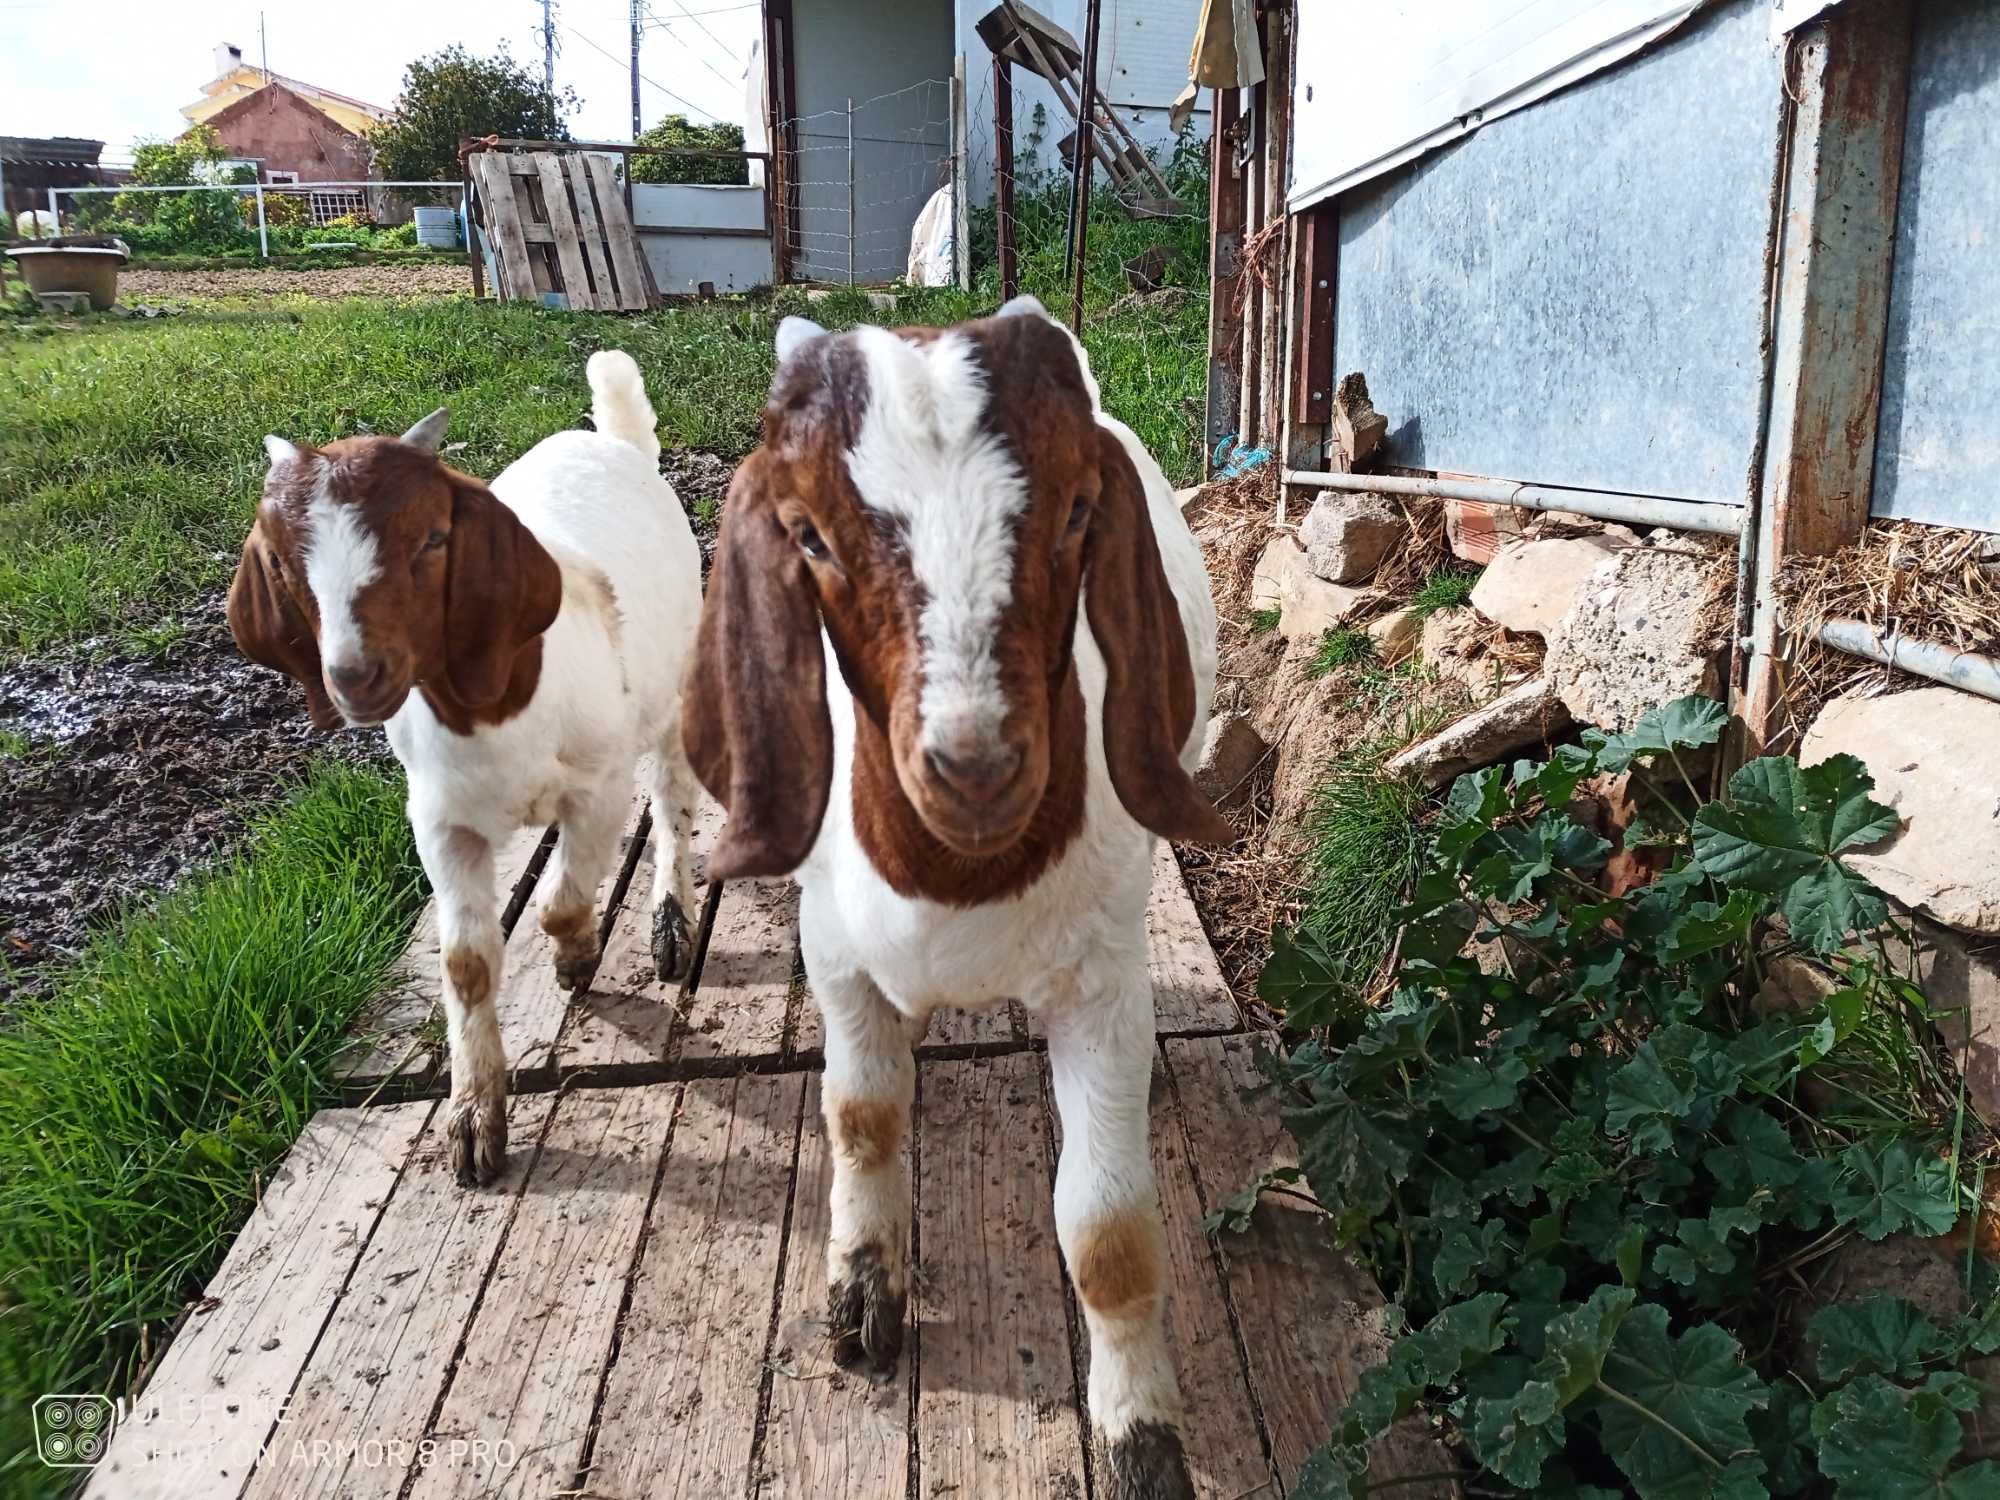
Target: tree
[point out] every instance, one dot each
(451, 94)
(678, 130)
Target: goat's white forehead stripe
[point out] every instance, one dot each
(341, 559)
(924, 457)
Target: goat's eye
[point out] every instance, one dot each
(1079, 515)
(812, 543)
(434, 541)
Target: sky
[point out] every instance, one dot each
(123, 75)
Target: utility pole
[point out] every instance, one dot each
(264, 46)
(549, 46)
(636, 6)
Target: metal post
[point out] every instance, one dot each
(55, 214)
(850, 190)
(1003, 175)
(1080, 178)
(961, 224)
(263, 238)
(635, 68)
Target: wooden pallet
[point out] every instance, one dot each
(559, 227)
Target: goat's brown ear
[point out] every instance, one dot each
(501, 590)
(1149, 682)
(753, 711)
(271, 630)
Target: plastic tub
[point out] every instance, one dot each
(437, 227)
(71, 264)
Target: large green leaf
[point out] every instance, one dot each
(1674, 1396)
(1781, 831)
(1678, 1075)
(1875, 1335)
(1684, 724)
(1884, 1187)
(1880, 1441)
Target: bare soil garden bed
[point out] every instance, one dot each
(420, 280)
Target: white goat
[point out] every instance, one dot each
(893, 617)
(523, 645)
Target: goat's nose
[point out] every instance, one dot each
(976, 773)
(356, 680)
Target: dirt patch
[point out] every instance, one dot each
(700, 479)
(428, 279)
(133, 771)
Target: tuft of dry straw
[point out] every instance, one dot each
(1927, 583)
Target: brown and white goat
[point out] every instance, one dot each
(894, 696)
(523, 645)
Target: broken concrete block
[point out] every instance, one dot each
(1358, 429)
(1529, 585)
(1477, 530)
(1347, 536)
(1554, 523)
(1935, 756)
(1454, 646)
(1397, 634)
(1526, 716)
(1231, 752)
(1635, 637)
(1308, 606)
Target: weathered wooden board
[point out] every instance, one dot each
(1311, 1320)
(519, 1408)
(222, 1384)
(828, 1433)
(1189, 992)
(388, 1046)
(514, 275)
(680, 1406)
(562, 223)
(358, 1413)
(1225, 1450)
(738, 1006)
(620, 239)
(988, 1025)
(997, 1407)
(589, 228)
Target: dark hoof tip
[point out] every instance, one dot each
(865, 1319)
(1146, 1463)
(478, 1141)
(673, 948)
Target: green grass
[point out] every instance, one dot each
(1367, 845)
(145, 1099)
(1446, 589)
(131, 453)
(14, 745)
(1264, 621)
(1340, 647)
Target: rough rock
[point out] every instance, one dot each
(1935, 756)
(1454, 644)
(1526, 716)
(1555, 523)
(1635, 637)
(1358, 429)
(1397, 634)
(1308, 606)
(1530, 585)
(1347, 536)
(1960, 976)
(1231, 752)
(1477, 529)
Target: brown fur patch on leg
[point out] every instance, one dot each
(866, 1132)
(471, 979)
(1120, 1263)
(575, 930)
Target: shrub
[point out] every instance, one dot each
(678, 130)
(1586, 1175)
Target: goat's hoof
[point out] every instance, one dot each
(673, 948)
(575, 966)
(1147, 1462)
(477, 1130)
(864, 1317)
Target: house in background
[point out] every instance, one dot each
(31, 165)
(294, 132)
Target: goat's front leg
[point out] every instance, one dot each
(589, 822)
(459, 863)
(1108, 1220)
(674, 793)
(870, 1081)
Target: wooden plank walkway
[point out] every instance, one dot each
(636, 1310)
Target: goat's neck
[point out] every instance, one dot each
(918, 865)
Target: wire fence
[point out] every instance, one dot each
(262, 217)
(865, 174)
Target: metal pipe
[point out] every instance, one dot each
(1960, 669)
(1603, 505)
(850, 190)
(1086, 133)
(263, 238)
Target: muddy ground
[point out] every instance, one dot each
(135, 770)
(429, 279)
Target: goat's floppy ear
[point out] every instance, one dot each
(501, 590)
(271, 630)
(1149, 691)
(753, 711)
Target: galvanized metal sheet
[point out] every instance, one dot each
(1937, 453)
(1574, 295)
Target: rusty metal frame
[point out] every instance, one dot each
(1225, 269)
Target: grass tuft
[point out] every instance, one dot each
(144, 1100)
(1367, 846)
(1446, 589)
(1341, 647)
(1263, 621)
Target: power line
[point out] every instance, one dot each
(726, 50)
(667, 26)
(605, 51)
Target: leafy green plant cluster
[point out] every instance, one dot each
(1585, 1173)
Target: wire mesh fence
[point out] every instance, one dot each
(255, 218)
(864, 175)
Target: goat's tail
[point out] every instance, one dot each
(618, 404)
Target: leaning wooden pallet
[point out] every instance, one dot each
(558, 227)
